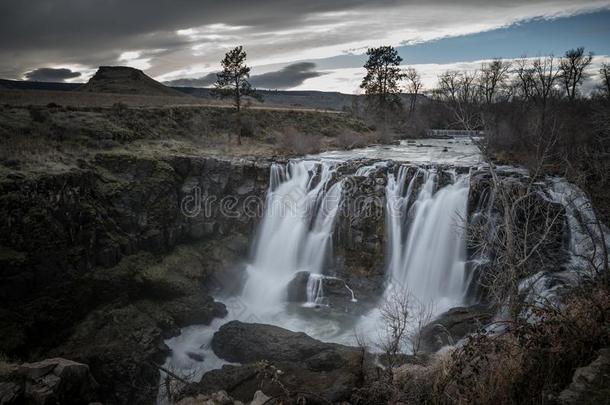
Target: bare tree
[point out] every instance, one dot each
(523, 80)
(572, 67)
(422, 313)
(460, 94)
(414, 87)
(395, 315)
(493, 78)
(448, 83)
(523, 230)
(604, 71)
(544, 78)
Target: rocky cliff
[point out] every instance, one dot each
(103, 262)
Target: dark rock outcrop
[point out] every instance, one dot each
(296, 290)
(453, 325)
(590, 384)
(307, 365)
(359, 237)
(127, 80)
(334, 293)
(101, 263)
(49, 382)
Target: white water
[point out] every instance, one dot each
(296, 231)
(585, 246)
(427, 253)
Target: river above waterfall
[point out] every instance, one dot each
(460, 151)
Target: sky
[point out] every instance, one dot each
(291, 44)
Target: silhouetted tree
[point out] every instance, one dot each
(381, 82)
(572, 67)
(233, 82)
(460, 94)
(493, 78)
(414, 86)
(605, 74)
(523, 82)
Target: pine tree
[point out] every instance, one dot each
(233, 82)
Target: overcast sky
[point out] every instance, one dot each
(291, 44)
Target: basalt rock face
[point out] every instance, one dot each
(120, 253)
(359, 237)
(307, 365)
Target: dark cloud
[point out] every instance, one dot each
(205, 81)
(90, 33)
(50, 75)
(287, 77)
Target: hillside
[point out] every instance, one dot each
(126, 80)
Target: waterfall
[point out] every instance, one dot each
(315, 290)
(427, 252)
(295, 233)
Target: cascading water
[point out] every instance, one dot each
(427, 248)
(296, 230)
(315, 290)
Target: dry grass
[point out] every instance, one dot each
(292, 142)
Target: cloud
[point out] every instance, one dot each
(288, 77)
(204, 81)
(195, 34)
(347, 80)
(50, 75)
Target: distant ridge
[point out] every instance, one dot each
(323, 100)
(127, 80)
(27, 85)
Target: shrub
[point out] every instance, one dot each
(38, 114)
(350, 139)
(290, 141)
(119, 108)
(249, 126)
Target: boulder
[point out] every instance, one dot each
(590, 384)
(49, 382)
(453, 325)
(302, 364)
(216, 398)
(296, 290)
(333, 293)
